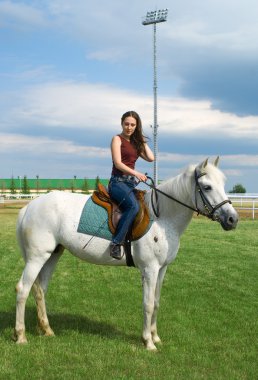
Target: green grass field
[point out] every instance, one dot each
(207, 318)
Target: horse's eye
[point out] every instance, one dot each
(207, 187)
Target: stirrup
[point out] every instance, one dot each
(115, 251)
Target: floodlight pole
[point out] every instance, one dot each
(154, 18)
(155, 109)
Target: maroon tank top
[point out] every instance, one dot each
(129, 156)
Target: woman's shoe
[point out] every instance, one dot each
(115, 251)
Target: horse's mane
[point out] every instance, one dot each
(180, 186)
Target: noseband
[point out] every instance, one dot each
(210, 210)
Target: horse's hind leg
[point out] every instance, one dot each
(40, 288)
(29, 275)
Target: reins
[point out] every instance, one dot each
(155, 192)
(207, 205)
(210, 210)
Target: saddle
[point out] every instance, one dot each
(142, 219)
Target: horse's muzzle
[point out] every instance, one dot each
(229, 221)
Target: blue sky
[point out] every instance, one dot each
(70, 68)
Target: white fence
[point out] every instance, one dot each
(18, 196)
(245, 201)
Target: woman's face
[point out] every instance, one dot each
(129, 125)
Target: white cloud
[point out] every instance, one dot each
(10, 143)
(242, 160)
(20, 14)
(182, 158)
(41, 145)
(227, 25)
(71, 104)
(109, 54)
(239, 160)
(224, 25)
(196, 34)
(188, 116)
(99, 106)
(233, 172)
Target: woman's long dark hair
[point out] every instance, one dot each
(137, 139)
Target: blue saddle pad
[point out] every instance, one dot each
(94, 221)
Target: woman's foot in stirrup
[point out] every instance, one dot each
(115, 251)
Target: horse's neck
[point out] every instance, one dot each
(179, 188)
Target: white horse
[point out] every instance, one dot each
(48, 225)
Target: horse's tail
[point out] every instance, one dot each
(19, 234)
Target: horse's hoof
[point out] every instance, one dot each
(45, 330)
(19, 338)
(49, 332)
(156, 339)
(150, 346)
(21, 341)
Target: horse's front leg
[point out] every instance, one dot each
(154, 332)
(149, 281)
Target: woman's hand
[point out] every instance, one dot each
(140, 176)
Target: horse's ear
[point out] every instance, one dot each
(204, 164)
(215, 163)
(201, 167)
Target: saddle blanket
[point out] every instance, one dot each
(94, 221)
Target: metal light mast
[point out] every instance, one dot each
(154, 18)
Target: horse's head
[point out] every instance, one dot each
(210, 197)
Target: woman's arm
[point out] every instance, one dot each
(147, 154)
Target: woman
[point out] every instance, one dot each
(126, 148)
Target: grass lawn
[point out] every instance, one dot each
(207, 319)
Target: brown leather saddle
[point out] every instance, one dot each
(142, 220)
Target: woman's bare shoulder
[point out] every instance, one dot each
(116, 139)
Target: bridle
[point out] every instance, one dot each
(209, 208)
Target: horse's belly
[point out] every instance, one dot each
(91, 249)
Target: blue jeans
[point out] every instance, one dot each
(121, 191)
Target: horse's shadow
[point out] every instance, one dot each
(61, 322)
